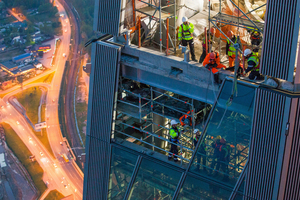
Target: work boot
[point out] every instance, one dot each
(194, 59)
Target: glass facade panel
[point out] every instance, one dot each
(195, 189)
(223, 151)
(122, 165)
(154, 181)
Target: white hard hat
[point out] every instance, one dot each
(173, 122)
(196, 130)
(184, 19)
(247, 52)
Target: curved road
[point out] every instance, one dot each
(66, 178)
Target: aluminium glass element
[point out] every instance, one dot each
(154, 181)
(122, 165)
(195, 189)
(224, 148)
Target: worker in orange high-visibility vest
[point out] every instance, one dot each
(212, 62)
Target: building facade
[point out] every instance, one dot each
(250, 131)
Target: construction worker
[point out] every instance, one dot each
(185, 36)
(174, 136)
(212, 62)
(220, 156)
(230, 50)
(209, 37)
(255, 37)
(239, 70)
(253, 65)
(201, 153)
(186, 119)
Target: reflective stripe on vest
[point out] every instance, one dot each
(173, 133)
(255, 59)
(186, 33)
(231, 50)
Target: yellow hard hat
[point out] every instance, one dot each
(218, 137)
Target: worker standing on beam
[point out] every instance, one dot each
(209, 42)
(230, 50)
(185, 36)
(174, 138)
(253, 65)
(212, 63)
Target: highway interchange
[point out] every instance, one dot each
(58, 174)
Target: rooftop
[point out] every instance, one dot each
(22, 69)
(9, 64)
(21, 56)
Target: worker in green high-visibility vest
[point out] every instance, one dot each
(174, 133)
(230, 50)
(253, 65)
(185, 36)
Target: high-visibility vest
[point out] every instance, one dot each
(209, 40)
(174, 133)
(185, 32)
(232, 50)
(255, 59)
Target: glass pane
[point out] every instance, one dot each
(195, 189)
(223, 152)
(122, 165)
(154, 181)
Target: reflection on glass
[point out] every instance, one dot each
(223, 151)
(154, 181)
(195, 189)
(122, 165)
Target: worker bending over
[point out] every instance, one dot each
(230, 50)
(185, 36)
(212, 62)
(209, 42)
(253, 65)
(174, 138)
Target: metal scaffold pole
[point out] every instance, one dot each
(160, 28)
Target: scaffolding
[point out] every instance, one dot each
(135, 122)
(242, 20)
(159, 11)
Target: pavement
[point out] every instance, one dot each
(66, 178)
